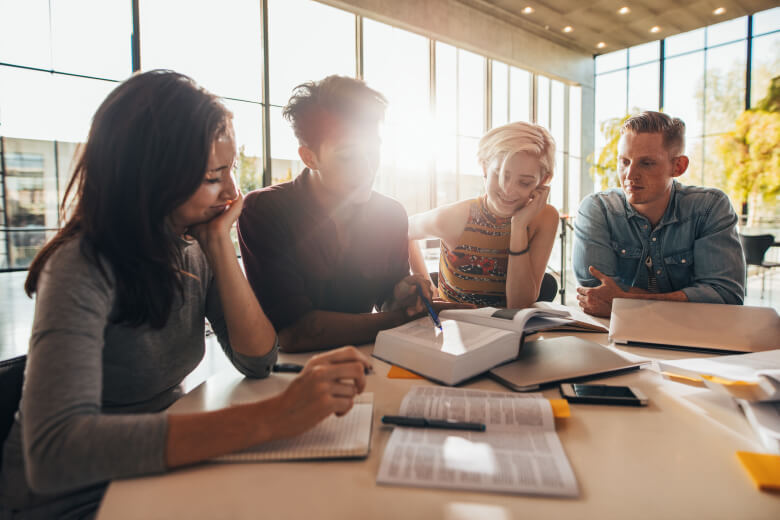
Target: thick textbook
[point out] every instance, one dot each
(334, 438)
(518, 453)
(472, 341)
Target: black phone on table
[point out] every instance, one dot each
(603, 394)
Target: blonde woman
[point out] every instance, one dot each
(495, 248)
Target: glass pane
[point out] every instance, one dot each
(766, 21)
(556, 185)
(543, 101)
(519, 95)
(643, 87)
(67, 155)
(725, 92)
(82, 46)
(611, 61)
(724, 32)
(765, 65)
(575, 120)
(471, 180)
(694, 149)
(714, 172)
(285, 162)
(471, 94)
(685, 42)
(644, 53)
(610, 100)
(30, 183)
(39, 105)
(25, 245)
(445, 124)
(574, 194)
(248, 123)
(557, 128)
(291, 61)
(220, 47)
(684, 95)
(500, 94)
(389, 54)
(24, 33)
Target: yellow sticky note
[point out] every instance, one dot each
(560, 408)
(763, 468)
(727, 382)
(679, 378)
(401, 373)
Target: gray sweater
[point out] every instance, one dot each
(94, 392)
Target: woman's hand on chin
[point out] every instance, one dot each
(536, 203)
(210, 232)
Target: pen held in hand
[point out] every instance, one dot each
(429, 307)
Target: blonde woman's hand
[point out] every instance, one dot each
(536, 203)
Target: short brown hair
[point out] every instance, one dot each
(650, 122)
(347, 98)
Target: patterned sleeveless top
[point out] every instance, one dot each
(475, 270)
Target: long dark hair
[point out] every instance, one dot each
(146, 154)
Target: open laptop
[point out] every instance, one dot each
(694, 326)
(548, 361)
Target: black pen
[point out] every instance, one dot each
(422, 422)
(295, 368)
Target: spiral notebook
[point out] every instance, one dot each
(334, 438)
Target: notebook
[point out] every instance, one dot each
(694, 326)
(548, 361)
(334, 438)
(519, 452)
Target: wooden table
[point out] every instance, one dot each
(672, 459)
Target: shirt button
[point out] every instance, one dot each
(623, 251)
(682, 261)
(654, 239)
(658, 272)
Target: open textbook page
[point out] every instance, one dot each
(518, 453)
(541, 316)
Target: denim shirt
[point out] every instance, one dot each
(694, 248)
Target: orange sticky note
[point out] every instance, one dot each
(401, 373)
(679, 378)
(560, 408)
(763, 468)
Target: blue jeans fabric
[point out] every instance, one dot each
(694, 248)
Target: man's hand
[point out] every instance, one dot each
(598, 300)
(405, 295)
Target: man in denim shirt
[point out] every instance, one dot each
(654, 238)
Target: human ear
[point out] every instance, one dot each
(680, 165)
(308, 157)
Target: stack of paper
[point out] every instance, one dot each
(752, 379)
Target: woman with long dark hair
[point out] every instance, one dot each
(122, 292)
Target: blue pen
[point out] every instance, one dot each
(428, 306)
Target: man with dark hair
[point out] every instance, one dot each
(323, 251)
(654, 238)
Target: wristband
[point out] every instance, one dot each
(518, 253)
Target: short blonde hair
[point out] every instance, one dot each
(505, 141)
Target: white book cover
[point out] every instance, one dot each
(518, 453)
(457, 352)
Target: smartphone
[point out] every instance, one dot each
(603, 394)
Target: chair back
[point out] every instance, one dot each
(755, 247)
(549, 288)
(11, 378)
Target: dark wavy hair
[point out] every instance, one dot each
(146, 154)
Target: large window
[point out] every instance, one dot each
(52, 78)
(57, 65)
(705, 75)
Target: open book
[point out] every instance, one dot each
(540, 316)
(472, 340)
(518, 453)
(334, 438)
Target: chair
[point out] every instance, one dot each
(755, 248)
(547, 291)
(11, 378)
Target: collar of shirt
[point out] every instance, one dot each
(670, 216)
